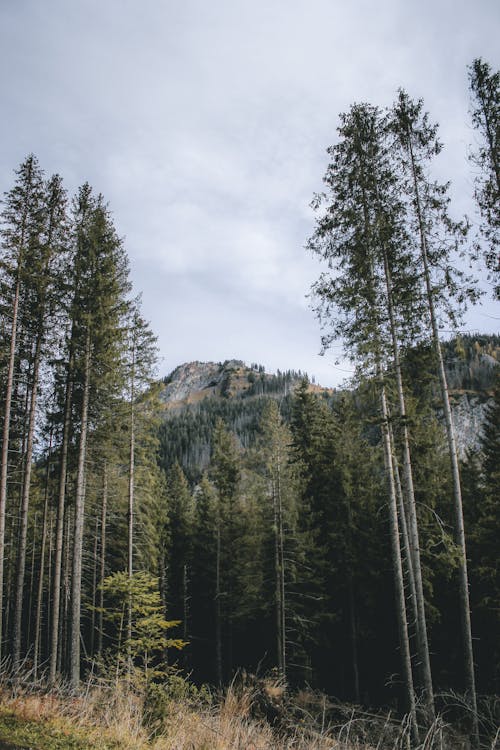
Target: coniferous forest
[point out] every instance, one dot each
(334, 542)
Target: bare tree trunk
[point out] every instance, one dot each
(23, 533)
(76, 581)
(32, 580)
(39, 598)
(131, 499)
(397, 563)
(56, 599)
(49, 571)
(63, 650)
(5, 445)
(277, 593)
(94, 587)
(403, 513)
(185, 606)
(218, 629)
(279, 565)
(352, 617)
(104, 511)
(413, 537)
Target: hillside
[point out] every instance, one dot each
(195, 394)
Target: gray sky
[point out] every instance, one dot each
(205, 124)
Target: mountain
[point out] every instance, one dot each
(195, 394)
(194, 382)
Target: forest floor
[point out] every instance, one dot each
(246, 717)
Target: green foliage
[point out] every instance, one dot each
(148, 638)
(485, 89)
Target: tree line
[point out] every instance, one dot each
(77, 362)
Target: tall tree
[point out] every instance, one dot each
(180, 522)
(275, 448)
(43, 305)
(22, 220)
(99, 307)
(360, 235)
(444, 285)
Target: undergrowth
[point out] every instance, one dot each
(251, 714)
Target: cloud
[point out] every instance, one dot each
(205, 126)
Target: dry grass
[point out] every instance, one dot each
(115, 717)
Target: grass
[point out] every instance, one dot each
(251, 715)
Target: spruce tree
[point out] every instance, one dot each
(22, 227)
(360, 235)
(101, 273)
(447, 290)
(225, 474)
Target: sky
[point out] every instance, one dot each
(205, 126)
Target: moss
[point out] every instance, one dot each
(47, 735)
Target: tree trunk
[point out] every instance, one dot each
(23, 532)
(32, 580)
(218, 633)
(5, 445)
(63, 649)
(397, 564)
(94, 587)
(56, 599)
(413, 537)
(104, 511)
(131, 498)
(76, 582)
(403, 518)
(39, 598)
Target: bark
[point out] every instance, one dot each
(62, 650)
(413, 536)
(32, 580)
(39, 598)
(131, 498)
(353, 618)
(56, 599)
(5, 445)
(218, 633)
(23, 531)
(404, 644)
(104, 510)
(76, 582)
(279, 566)
(94, 587)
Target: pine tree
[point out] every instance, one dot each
(281, 493)
(180, 523)
(203, 581)
(361, 233)
(22, 220)
(225, 475)
(43, 305)
(99, 306)
(447, 290)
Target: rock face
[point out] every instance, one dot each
(468, 413)
(193, 382)
(192, 379)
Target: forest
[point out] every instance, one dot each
(337, 541)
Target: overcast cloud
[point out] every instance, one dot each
(205, 126)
